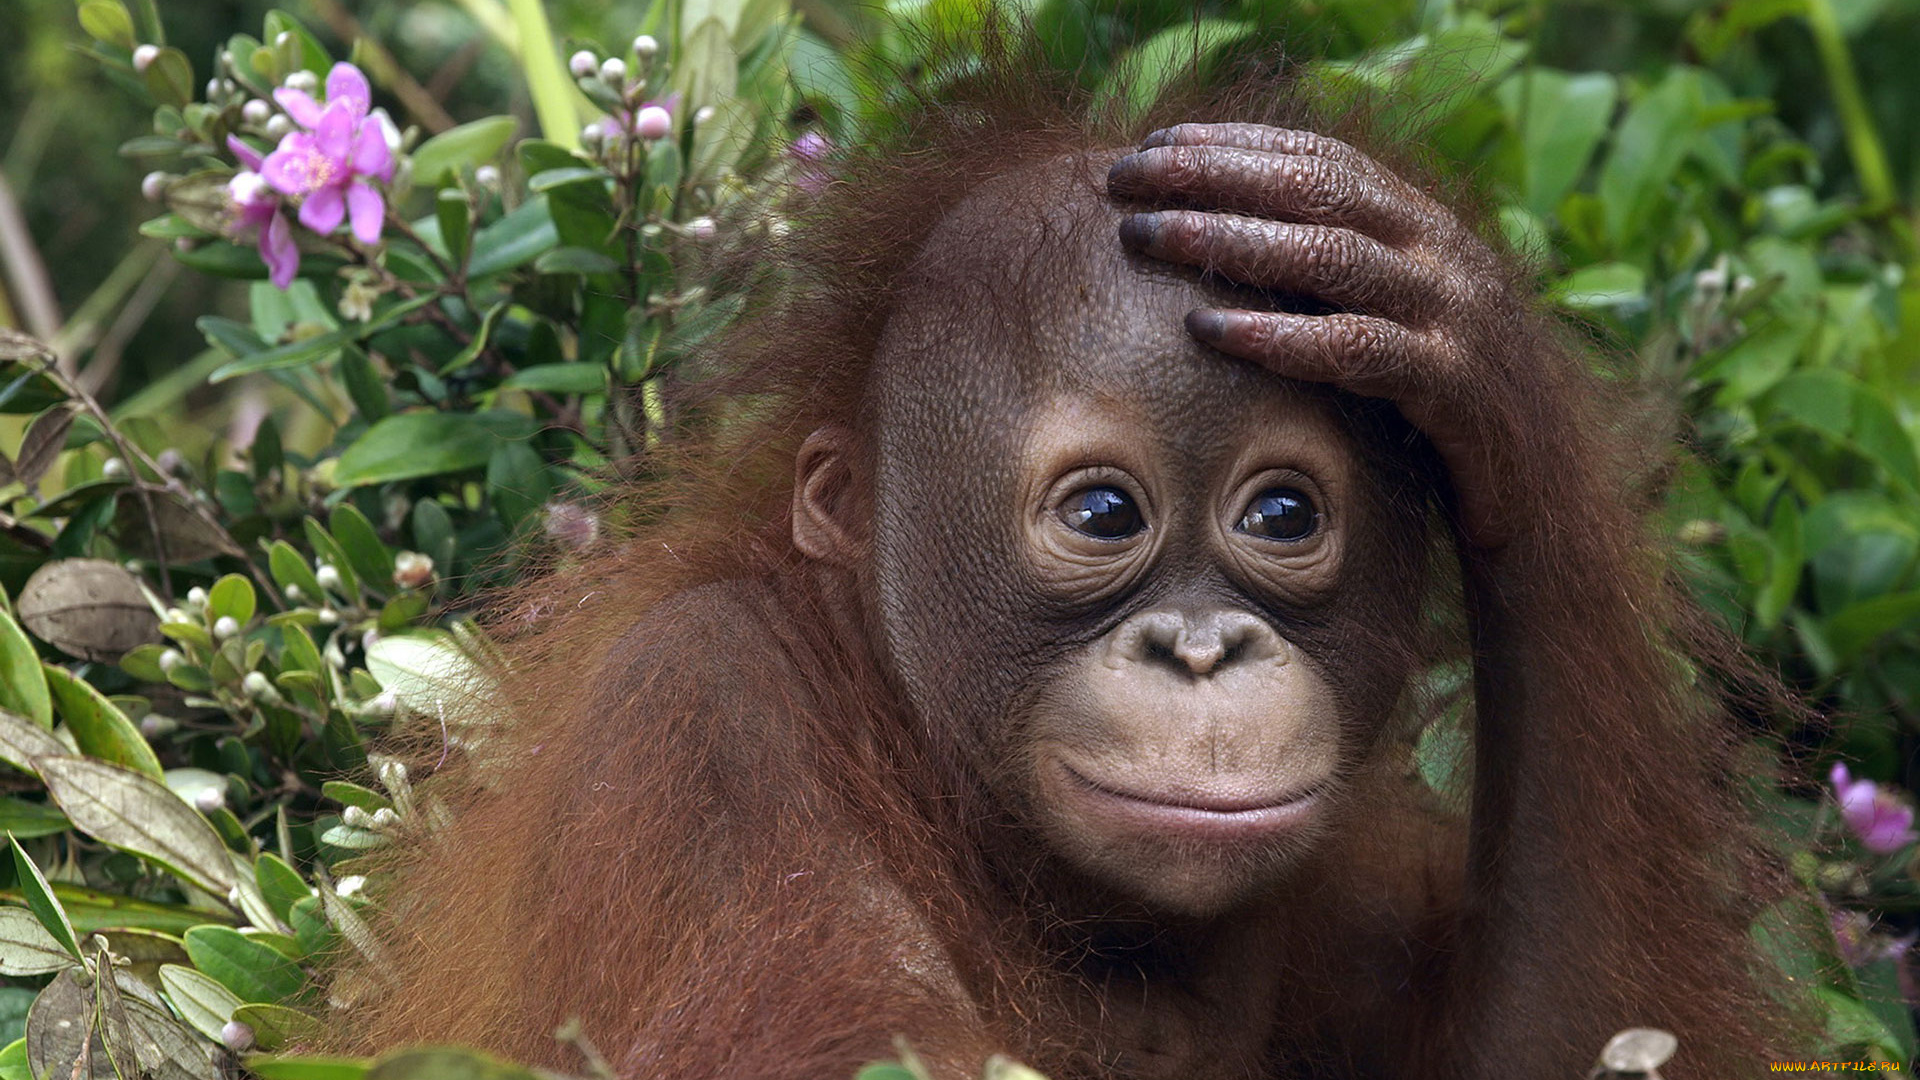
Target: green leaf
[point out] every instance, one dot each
(22, 741)
(472, 350)
(13, 1061)
(517, 482)
(231, 597)
(138, 815)
(306, 1067)
(1602, 285)
(364, 385)
(46, 908)
(312, 350)
(290, 569)
(252, 970)
(440, 159)
(274, 1026)
(26, 948)
(515, 240)
(23, 689)
(574, 260)
(27, 820)
(350, 794)
(424, 669)
(1560, 119)
(200, 1000)
(91, 911)
(563, 378)
(170, 78)
(1166, 57)
(371, 559)
(1647, 150)
(444, 1064)
(107, 21)
(1851, 1024)
(427, 444)
(280, 885)
(99, 728)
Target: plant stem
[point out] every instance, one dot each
(1863, 139)
(547, 79)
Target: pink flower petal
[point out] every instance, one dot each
(346, 84)
(371, 155)
(324, 210)
(333, 136)
(367, 209)
(299, 105)
(249, 157)
(279, 252)
(290, 169)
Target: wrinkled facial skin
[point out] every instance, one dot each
(1156, 597)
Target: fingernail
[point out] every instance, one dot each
(1163, 137)
(1137, 230)
(1207, 324)
(1122, 171)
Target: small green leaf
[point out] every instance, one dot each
(99, 728)
(371, 559)
(23, 689)
(255, 972)
(427, 444)
(1560, 119)
(574, 260)
(517, 482)
(280, 885)
(274, 1026)
(305, 1067)
(290, 570)
(444, 1064)
(455, 216)
(107, 21)
(200, 1000)
(27, 820)
(472, 350)
(170, 78)
(563, 378)
(92, 911)
(22, 741)
(124, 809)
(515, 240)
(440, 159)
(13, 1061)
(1602, 285)
(350, 794)
(231, 597)
(46, 908)
(364, 385)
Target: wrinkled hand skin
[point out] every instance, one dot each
(1421, 311)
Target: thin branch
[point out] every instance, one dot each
(32, 287)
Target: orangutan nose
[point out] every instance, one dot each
(1196, 643)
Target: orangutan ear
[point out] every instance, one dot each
(830, 507)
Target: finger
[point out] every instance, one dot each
(1272, 140)
(1370, 356)
(1280, 186)
(1339, 267)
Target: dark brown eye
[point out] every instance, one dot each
(1281, 514)
(1105, 513)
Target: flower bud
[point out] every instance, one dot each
(487, 176)
(385, 818)
(571, 525)
(278, 126)
(144, 56)
(349, 885)
(329, 617)
(153, 186)
(197, 597)
(583, 64)
(593, 135)
(328, 577)
(175, 614)
(113, 469)
(645, 47)
(700, 228)
(256, 111)
(256, 685)
(236, 1036)
(613, 71)
(207, 800)
(153, 725)
(384, 702)
(412, 570)
(356, 817)
(303, 80)
(171, 658)
(393, 774)
(703, 114)
(213, 89)
(225, 627)
(653, 122)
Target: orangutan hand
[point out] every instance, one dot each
(1421, 310)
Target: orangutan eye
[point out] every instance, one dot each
(1105, 513)
(1281, 514)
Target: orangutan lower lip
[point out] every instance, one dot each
(1198, 814)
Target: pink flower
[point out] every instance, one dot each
(1879, 818)
(328, 165)
(807, 153)
(256, 207)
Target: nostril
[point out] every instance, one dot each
(1193, 644)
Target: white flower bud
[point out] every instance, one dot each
(295, 594)
(114, 468)
(593, 135)
(144, 56)
(153, 725)
(229, 87)
(613, 71)
(393, 774)
(278, 126)
(283, 38)
(327, 576)
(700, 228)
(330, 617)
(196, 597)
(583, 64)
(256, 111)
(412, 570)
(703, 114)
(356, 817)
(349, 885)
(153, 186)
(236, 1036)
(207, 800)
(385, 818)
(174, 614)
(225, 627)
(304, 81)
(653, 122)
(171, 658)
(487, 176)
(386, 701)
(256, 685)
(213, 89)
(645, 46)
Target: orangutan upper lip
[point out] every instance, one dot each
(1203, 802)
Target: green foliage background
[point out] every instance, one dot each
(240, 527)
